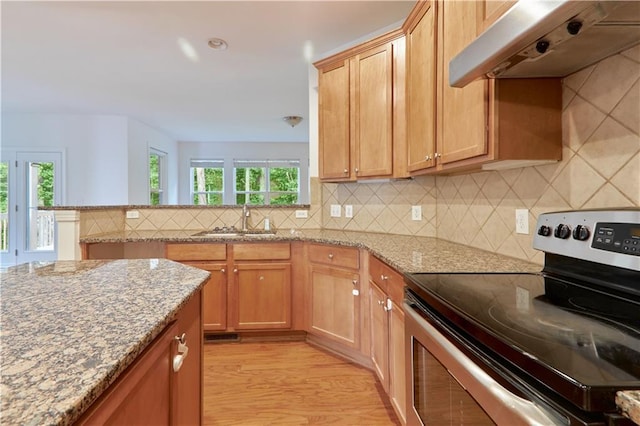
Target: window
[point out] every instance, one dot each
(157, 177)
(263, 182)
(207, 182)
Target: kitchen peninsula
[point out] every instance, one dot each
(72, 331)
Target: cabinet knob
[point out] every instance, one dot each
(356, 170)
(354, 282)
(380, 302)
(437, 155)
(235, 270)
(261, 278)
(345, 171)
(331, 256)
(223, 271)
(384, 277)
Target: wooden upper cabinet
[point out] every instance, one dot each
(372, 81)
(361, 111)
(489, 11)
(421, 86)
(462, 111)
(486, 124)
(334, 130)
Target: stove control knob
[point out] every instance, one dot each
(544, 230)
(581, 233)
(562, 231)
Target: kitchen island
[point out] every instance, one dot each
(69, 329)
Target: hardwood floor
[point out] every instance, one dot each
(288, 383)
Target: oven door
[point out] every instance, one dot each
(446, 387)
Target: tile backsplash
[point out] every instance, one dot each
(600, 168)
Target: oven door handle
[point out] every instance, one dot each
(501, 404)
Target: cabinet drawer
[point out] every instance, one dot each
(387, 278)
(345, 257)
(196, 251)
(275, 251)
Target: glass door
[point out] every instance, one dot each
(28, 181)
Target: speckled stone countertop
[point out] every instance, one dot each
(68, 329)
(629, 404)
(404, 252)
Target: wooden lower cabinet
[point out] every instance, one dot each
(150, 391)
(386, 292)
(335, 308)
(214, 296)
(260, 297)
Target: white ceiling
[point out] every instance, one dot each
(125, 58)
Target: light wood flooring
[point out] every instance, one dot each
(288, 383)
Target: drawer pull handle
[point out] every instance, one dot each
(331, 256)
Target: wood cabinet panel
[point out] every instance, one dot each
(421, 86)
(379, 334)
(196, 251)
(214, 295)
(335, 309)
(397, 362)
(334, 122)
(387, 278)
(261, 296)
(343, 257)
(373, 109)
(489, 11)
(188, 381)
(256, 251)
(463, 111)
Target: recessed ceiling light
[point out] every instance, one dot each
(217, 44)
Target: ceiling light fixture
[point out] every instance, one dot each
(217, 44)
(292, 120)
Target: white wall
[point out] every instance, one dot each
(141, 139)
(244, 151)
(95, 146)
(106, 155)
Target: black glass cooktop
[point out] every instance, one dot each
(582, 343)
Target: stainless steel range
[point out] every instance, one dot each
(546, 348)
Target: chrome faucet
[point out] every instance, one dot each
(245, 217)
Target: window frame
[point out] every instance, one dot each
(214, 164)
(162, 177)
(267, 193)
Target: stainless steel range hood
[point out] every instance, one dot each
(548, 38)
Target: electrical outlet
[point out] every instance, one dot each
(336, 210)
(522, 221)
(302, 214)
(348, 210)
(133, 214)
(416, 212)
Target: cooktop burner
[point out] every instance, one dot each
(531, 321)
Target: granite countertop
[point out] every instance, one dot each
(68, 329)
(629, 404)
(406, 253)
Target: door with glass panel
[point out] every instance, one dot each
(28, 180)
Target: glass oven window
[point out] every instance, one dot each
(437, 397)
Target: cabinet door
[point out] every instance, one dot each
(372, 75)
(334, 130)
(463, 112)
(143, 395)
(421, 89)
(335, 306)
(379, 334)
(214, 296)
(397, 374)
(187, 394)
(261, 296)
(490, 10)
